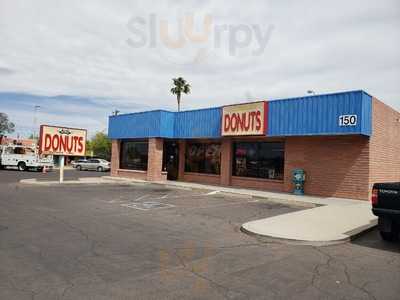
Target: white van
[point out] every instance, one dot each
(24, 157)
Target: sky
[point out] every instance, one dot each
(81, 60)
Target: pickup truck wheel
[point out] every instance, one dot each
(389, 236)
(21, 166)
(100, 169)
(79, 168)
(388, 229)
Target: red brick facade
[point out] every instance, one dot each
(256, 183)
(336, 166)
(202, 178)
(115, 151)
(384, 144)
(226, 162)
(154, 166)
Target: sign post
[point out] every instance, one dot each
(61, 168)
(62, 141)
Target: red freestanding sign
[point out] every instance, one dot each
(66, 141)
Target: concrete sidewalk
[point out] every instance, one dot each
(324, 225)
(282, 197)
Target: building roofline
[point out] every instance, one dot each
(267, 100)
(319, 95)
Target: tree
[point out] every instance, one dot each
(5, 125)
(101, 146)
(33, 137)
(89, 150)
(180, 86)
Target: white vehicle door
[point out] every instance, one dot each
(8, 157)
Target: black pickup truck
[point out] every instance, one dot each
(386, 206)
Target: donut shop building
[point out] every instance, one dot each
(343, 141)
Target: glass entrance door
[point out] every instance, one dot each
(171, 159)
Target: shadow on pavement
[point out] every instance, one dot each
(372, 239)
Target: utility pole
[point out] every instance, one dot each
(36, 109)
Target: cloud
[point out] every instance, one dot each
(80, 48)
(5, 71)
(72, 111)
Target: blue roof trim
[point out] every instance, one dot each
(366, 125)
(301, 116)
(140, 125)
(319, 115)
(204, 123)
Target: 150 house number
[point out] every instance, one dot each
(347, 120)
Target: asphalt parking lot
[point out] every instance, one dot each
(151, 242)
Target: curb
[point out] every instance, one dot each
(34, 182)
(267, 238)
(352, 235)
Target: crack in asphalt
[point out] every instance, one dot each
(218, 286)
(94, 245)
(31, 292)
(327, 264)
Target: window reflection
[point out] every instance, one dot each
(203, 158)
(134, 155)
(259, 160)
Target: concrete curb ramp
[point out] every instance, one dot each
(325, 225)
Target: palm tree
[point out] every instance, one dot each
(180, 86)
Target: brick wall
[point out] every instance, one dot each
(258, 183)
(202, 178)
(115, 150)
(155, 159)
(335, 166)
(226, 161)
(134, 174)
(384, 144)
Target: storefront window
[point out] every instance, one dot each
(134, 155)
(259, 160)
(203, 158)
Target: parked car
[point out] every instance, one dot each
(386, 206)
(79, 161)
(97, 164)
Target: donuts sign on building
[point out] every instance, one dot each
(62, 141)
(245, 119)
